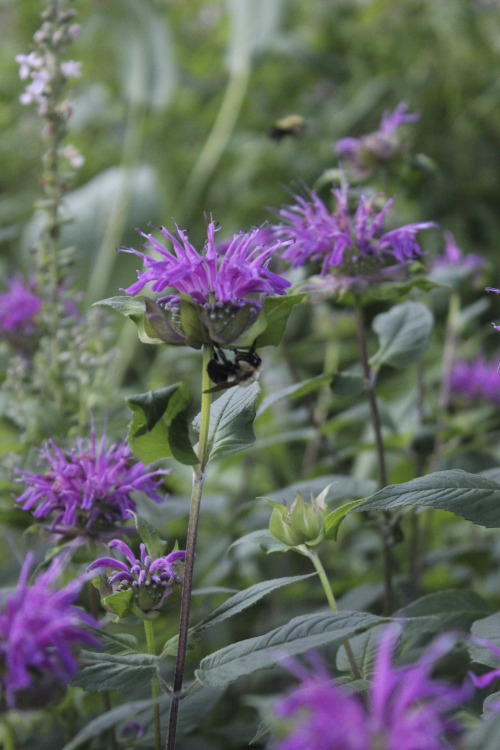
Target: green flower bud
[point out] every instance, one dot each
(300, 524)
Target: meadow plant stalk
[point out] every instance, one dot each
(369, 378)
(199, 472)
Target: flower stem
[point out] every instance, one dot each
(8, 736)
(369, 378)
(194, 512)
(150, 643)
(333, 604)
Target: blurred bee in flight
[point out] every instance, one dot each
(293, 126)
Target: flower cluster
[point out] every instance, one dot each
(476, 381)
(380, 146)
(405, 709)
(88, 489)
(40, 628)
(356, 247)
(225, 284)
(150, 581)
(48, 74)
(19, 307)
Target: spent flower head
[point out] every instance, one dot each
(475, 381)
(148, 580)
(224, 286)
(405, 708)
(353, 247)
(88, 490)
(380, 146)
(40, 632)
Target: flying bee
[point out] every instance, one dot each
(245, 369)
(293, 125)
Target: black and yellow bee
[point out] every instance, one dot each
(293, 125)
(245, 369)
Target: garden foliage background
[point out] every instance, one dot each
(172, 114)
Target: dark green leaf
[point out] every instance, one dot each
(135, 309)
(298, 636)
(155, 545)
(104, 671)
(468, 495)
(159, 425)
(271, 323)
(404, 334)
(488, 628)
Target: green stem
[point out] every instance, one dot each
(106, 257)
(8, 736)
(219, 135)
(150, 643)
(194, 512)
(386, 527)
(333, 604)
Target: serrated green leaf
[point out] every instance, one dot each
(404, 334)
(105, 671)
(244, 599)
(159, 425)
(121, 603)
(333, 520)
(231, 421)
(297, 390)
(295, 637)
(442, 611)
(468, 495)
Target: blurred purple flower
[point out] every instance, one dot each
(88, 488)
(476, 381)
(40, 629)
(405, 708)
(235, 275)
(453, 259)
(484, 680)
(151, 580)
(19, 307)
(352, 247)
(379, 146)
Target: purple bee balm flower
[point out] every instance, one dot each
(88, 488)
(353, 248)
(221, 282)
(454, 259)
(405, 708)
(380, 146)
(476, 381)
(150, 580)
(19, 307)
(40, 631)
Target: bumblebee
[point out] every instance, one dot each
(245, 369)
(293, 125)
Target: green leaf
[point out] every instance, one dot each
(488, 628)
(263, 539)
(485, 735)
(297, 390)
(270, 325)
(244, 599)
(404, 334)
(340, 488)
(470, 496)
(295, 637)
(106, 721)
(121, 603)
(444, 610)
(159, 425)
(155, 545)
(231, 421)
(135, 309)
(334, 519)
(104, 671)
